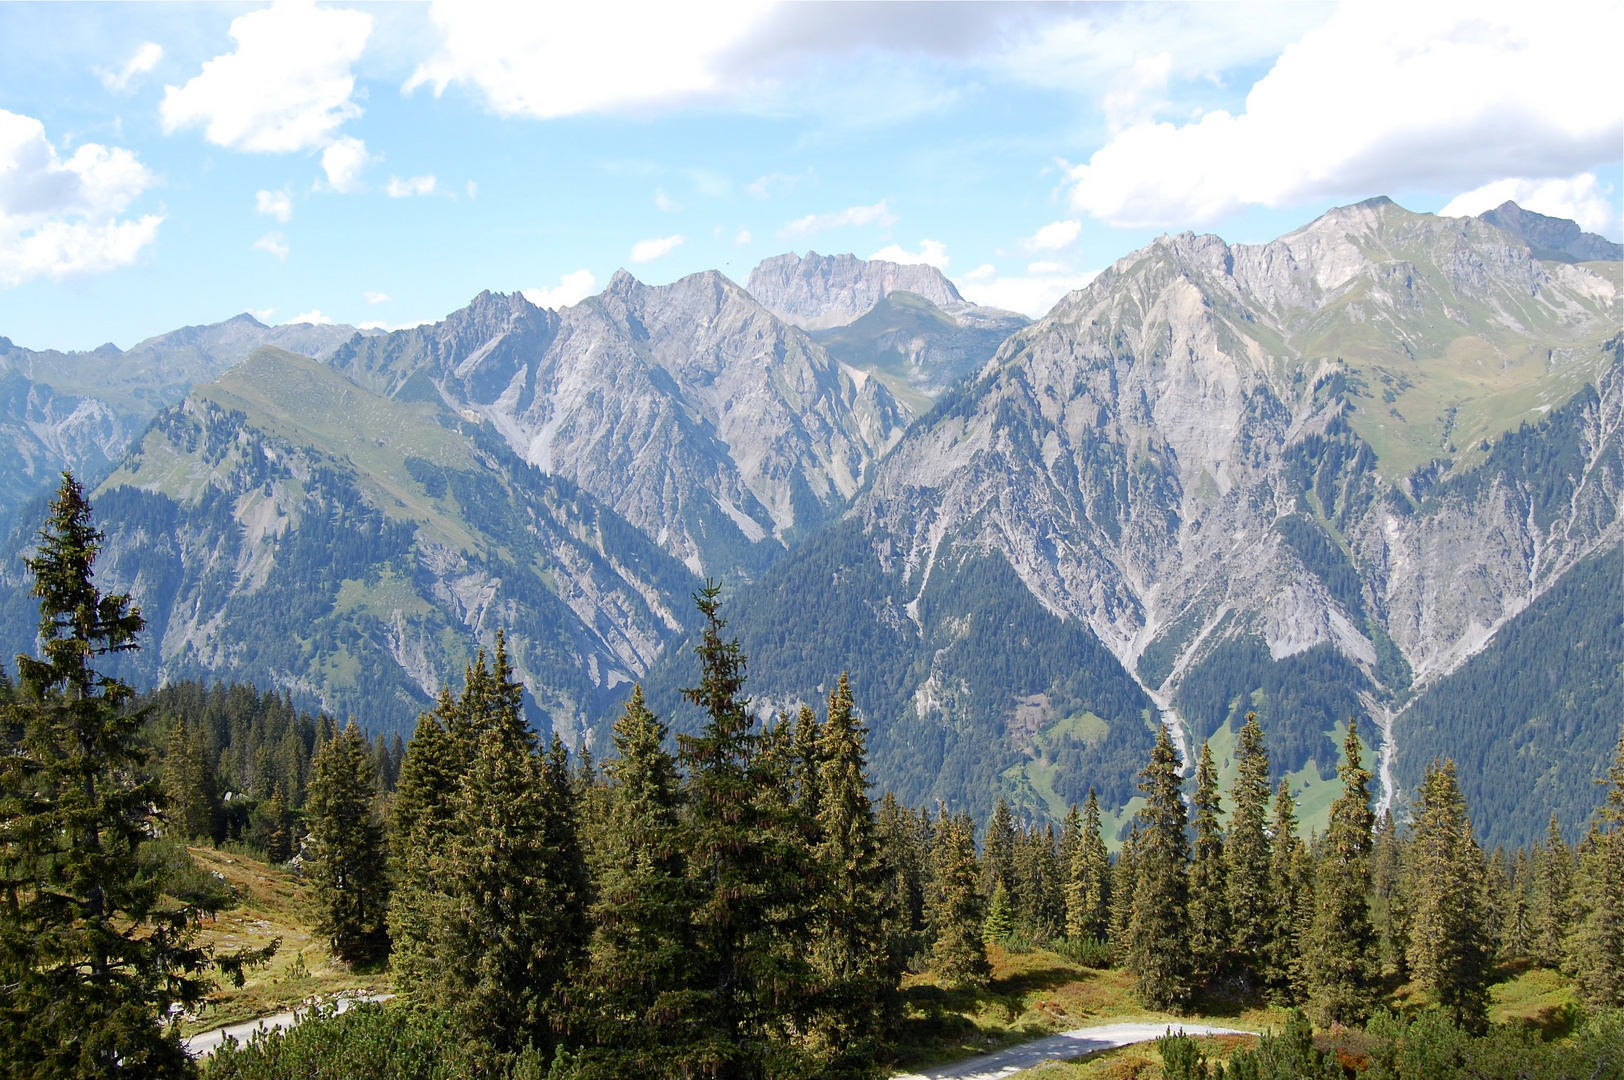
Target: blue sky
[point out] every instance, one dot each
(176, 164)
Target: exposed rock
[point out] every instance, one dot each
(1553, 236)
(822, 291)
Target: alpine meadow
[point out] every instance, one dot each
(773, 665)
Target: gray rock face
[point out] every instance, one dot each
(694, 412)
(1554, 235)
(79, 410)
(1136, 454)
(822, 291)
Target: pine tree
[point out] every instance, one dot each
(279, 840)
(905, 846)
(1000, 921)
(1124, 883)
(998, 856)
(1158, 936)
(850, 947)
(1340, 954)
(1209, 901)
(1449, 950)
(91, 955)
(641, 954)
(1088, 890)
(957, 916)
(1596, 947)
(348, 864)
(1387, 907)
(1516, 919)
(1553, 892)
(1283, 960)
(191, 798)
(420, 827)
(1246, 855)
(748, 864)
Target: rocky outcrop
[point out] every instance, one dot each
(816, 292)
(1553, 236)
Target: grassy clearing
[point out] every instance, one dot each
(270, 903)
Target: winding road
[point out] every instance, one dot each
(205, 1043)
(1066, 1045)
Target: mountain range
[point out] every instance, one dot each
(1371, 469)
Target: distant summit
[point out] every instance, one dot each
(1553, 237)
(818, 292)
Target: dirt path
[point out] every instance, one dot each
(1067, 1044)
(205, 1043)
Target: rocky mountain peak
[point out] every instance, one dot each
(1552, 236)
(818, 292)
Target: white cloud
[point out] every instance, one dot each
(375, 297)
(1033, 295)
(277, 204)
(765, 187)
(1581, 198)
(1134, 96)
(1440, 98)
(276, 244)
(877, 214)
(664, 201)
(648, 250)
(1055, 236)
(571, 289)
(473, 190)
(288, 86)
(262, 314)
(743, 238)
(343, 161)
(60, 218)
(931, 253)
(313, 316)
(417, 185)
(145, 59)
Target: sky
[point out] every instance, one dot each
(175, 164)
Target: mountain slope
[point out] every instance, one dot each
(816, 292)
(695, 413)
(1550, 237)
(286, 527)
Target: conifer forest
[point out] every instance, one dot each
(735, 902)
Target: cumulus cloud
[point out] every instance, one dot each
(274, 243)
(648, 250)
(277, 204)
(314, 317)
(1055, 236)
(877, 215)
(145, 59)
(375, 297)
(417, 185)
(1033, 294)
(343, 161)
(60, 218)
(571, 289)
(288, 86)
(930, 253)
(1580, 198)
(1438, 99)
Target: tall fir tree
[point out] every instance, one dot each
(1596, 947)
(1088, 889)
(957, 913)
(1158, 935)
(850, 947)
(635, 1003)
(1209, 898)
(1553, 898)
(1124, 883)
(748, 865)
(279, 838)
(905, 845)
(1516, 920)
(191, 797)
(1283, 968)
(1387, 906)
(1340, 955)
(348, 864)
(998, 851)
(1450, 947)
(1246, 855)
(92, 957)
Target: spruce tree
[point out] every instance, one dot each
(1088, 889)
(1449, 943)
(1340, 955)
(998, 855)
(1283, 958)
(1000, 921)
(1209, 900)
(191, 798)
(1158, 935)
(1596, 947)
(1517, 917)
(1387, 907)
(348, 865)
(279, 840)
(1124, 883)
(92, 957)
(905, 846)
(420, 827)
(1246, 857)
(641, 969)
(748, 866)
(1553, 893)
(957, 914)
(850, 947)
